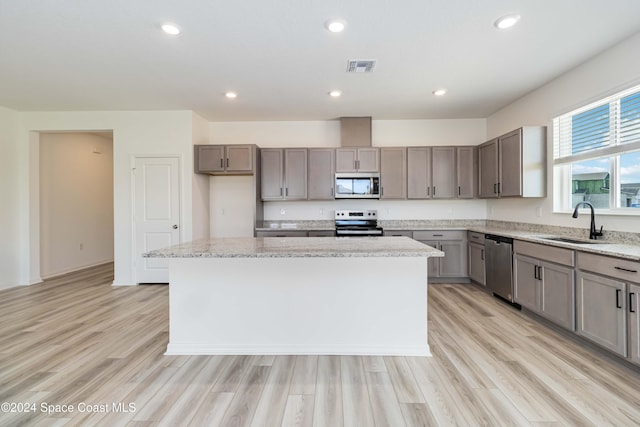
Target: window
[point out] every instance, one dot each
(596, 154)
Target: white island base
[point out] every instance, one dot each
(301, 305)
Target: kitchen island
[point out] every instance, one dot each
(298, 295)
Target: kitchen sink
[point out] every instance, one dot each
(570, 240)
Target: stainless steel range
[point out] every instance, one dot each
(357, 223)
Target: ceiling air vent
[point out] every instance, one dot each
(361, 65)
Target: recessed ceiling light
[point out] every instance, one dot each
(335, 25)
(439, 92)
(231, 95)
(506, 21)
(335, 94)
(171, 29)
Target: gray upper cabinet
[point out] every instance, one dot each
(443, 178)
(441, 172)
(283, 174)
(419, 172)
(393, 172)
(466, 171)
(225, 159)
(321, 180)
(514, 164)
(488, 169)
(357, 159)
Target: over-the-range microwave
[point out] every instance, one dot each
(357, 185)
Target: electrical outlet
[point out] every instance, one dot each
(283, 211)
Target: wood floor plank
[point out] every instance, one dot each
(328, 398)
(355, 392)
(77, 338)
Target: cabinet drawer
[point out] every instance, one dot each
(476, 237)
(322, 233)
(282, 233)
(545, 252)
(406, 233)
(440, 235)
(608, 266)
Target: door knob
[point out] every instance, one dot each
(175, 226)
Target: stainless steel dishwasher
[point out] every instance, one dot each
(499, 265)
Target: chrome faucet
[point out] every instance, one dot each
(593, 234)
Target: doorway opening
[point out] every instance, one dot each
(76, 201)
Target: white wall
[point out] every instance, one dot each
(134, 133)
(76, 201)
(327, 134)
(200, 183)
(10, 200)
(611, 71)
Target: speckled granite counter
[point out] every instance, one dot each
(298, 247)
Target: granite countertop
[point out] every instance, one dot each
(297, 247)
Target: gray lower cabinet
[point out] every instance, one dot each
(393, 173)
(453, 266)
(477, 272)
(607, 307)
(601, 312)
(283, 173)
(321, 169)
(634, 324)
(544, 281)
(322, 233)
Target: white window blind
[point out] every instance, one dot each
(607, 127)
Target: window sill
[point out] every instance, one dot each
(608, 212)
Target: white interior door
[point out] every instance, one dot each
(156, 214)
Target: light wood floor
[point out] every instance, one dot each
(77, 340)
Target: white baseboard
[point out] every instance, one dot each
(334, 350)
(74, 269)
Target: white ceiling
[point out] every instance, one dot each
(111, 55)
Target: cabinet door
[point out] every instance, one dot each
(466, 169)
(443, 172)
(239, 158)
(418, 172)
(271, 173)
(209, 158)
(488, 169)
(393, 173)
(558, 295)
(634, 324)
(433, 263)
(346, 159)
(476, 263)
(511, 164)
(321, 174)
(295, 173)
(526, 286)
(368, 160)
(454, 262)
(600, 305)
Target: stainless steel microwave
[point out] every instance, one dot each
(357, 185)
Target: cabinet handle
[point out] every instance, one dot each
(626, 269)
(495, 188)
(499, 187)
(482, 254)
(286, 191)
(227, 162)
(631, 310)
(221, 163)
(535, 272)
(280, 191)
(618, 292)
(429, 191)
(540, 272)
(438, 235)
(381, 191)
(434, 191)
(458, 190)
